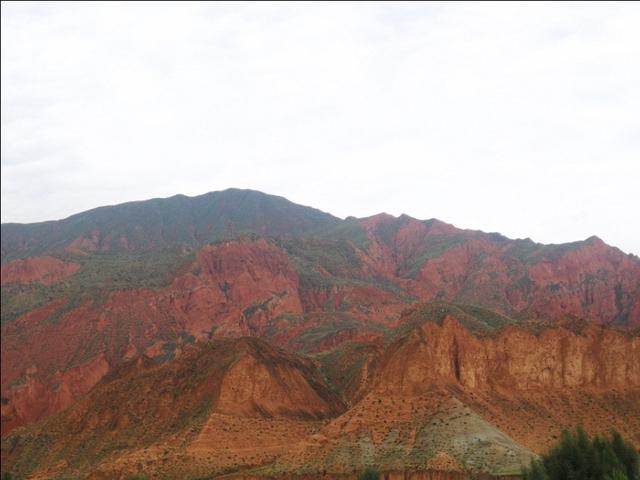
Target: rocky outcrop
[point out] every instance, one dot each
(236, 288)
(516, 358)
(595, 282)
(436, 261)
(266, 382)
(142, 402)
(529, 381)
(30, 399)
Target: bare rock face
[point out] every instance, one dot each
(515, 359)
(529, 381)
(238, 381)
(436, 261)
(594, 282)
(265, 382)
(236, 287)
(46, 270)
(32, 400)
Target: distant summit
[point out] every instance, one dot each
(166, 222)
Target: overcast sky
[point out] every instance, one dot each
(517, 118)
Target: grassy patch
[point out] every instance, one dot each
(349, 230)
(476, 319)
(337, 257)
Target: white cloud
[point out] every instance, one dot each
(518, 118)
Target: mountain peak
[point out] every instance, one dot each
(595, 240)
(162, 223)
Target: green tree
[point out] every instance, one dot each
(578, 457)
(627, 455)
(369, 473)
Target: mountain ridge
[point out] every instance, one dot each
(142, 225)
(103, 290)
(93, 217)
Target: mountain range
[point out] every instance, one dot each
(238, 334)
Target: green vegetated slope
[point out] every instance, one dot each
(167, 222)
(477, 320)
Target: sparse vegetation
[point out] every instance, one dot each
(337, 257)
(529, 252)
(577, 456)
(369, 473)
(163, 223)
(477, 319)
(99, 274)
(253, 309)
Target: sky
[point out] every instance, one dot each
(517, 118)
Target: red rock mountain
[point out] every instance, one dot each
(458, 390)
(155, 280)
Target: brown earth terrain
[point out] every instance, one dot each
(520, 339)
(445, 395)
(46, 270)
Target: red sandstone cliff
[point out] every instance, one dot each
(454, 392)
(515, 359)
